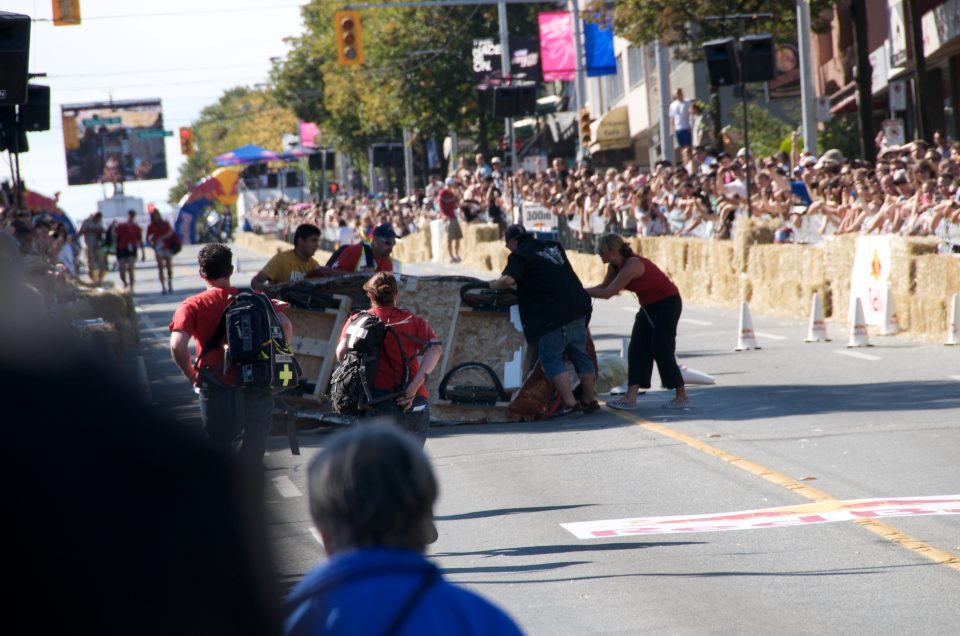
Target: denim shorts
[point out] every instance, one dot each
(570, 338)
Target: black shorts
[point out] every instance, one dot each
(129, 252)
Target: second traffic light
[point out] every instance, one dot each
(186, 141)
(349, 37)
(585, 122)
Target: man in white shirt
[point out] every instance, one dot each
(680, 119)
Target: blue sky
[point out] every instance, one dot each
(185, 53)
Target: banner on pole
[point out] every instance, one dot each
(598, 48)
(557, 54)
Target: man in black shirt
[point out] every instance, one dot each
(554, 310)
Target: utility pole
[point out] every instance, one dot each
(919, 70)
(663, 84)
(808, 108)
(506, 79)
(864, 79)
(580, 73)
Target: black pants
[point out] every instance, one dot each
(654, 338)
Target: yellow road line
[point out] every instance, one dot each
(807, 492)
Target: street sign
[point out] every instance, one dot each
(898, 96)
(153, 133)
(100, 121)
(822, 104)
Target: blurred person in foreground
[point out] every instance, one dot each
(371, 496)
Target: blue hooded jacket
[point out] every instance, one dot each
(364, 591)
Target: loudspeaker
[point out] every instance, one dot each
(504, 101)
(14, 140)
(381, 155)
(757, 61)
(8, 118)
(316, 161)
(721, 58)
(14, 57)
(292, 179)
(271, 179)
(526, 100)
(35, 114)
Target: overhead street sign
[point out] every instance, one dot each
(153, 133)
(101, 121)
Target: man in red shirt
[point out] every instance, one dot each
(232, 418)
(366, 257)
(448, 201)
(129, 237)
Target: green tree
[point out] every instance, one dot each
(241, 116)
(417, 72)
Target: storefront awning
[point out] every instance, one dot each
(612, 131)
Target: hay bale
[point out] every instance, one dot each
(936, 276)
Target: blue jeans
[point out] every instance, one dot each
(570, 338)
(236, 420)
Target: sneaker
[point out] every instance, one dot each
(567, 411)
(677, 405)
(623, 405)
(590, 408)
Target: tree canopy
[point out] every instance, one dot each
(682, 23)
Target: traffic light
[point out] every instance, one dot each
(585, 127)
(349, 38)
(186, 141)
(66, 12)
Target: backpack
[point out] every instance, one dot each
(255, 344)
(351, 385)
(367, 254)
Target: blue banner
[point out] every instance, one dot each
(598, 42)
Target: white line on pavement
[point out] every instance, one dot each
(286, 487)
(694, 321)
(770, 336)
(855, 354)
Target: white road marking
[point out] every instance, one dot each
(694, 321)
(286, 487)
(769, 336)
(856, 354)
(316, 535)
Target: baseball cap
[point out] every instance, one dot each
(515, 231)
(384, 230)
(496, 160)
(450, 181)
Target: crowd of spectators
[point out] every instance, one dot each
(911, 190)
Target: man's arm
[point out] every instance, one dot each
(260, 281)
(430, 359)
(180, 352)
(503, 282)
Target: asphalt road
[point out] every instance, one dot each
(784, 426)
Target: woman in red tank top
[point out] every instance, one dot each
(654, 336)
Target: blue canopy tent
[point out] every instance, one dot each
(246, 154)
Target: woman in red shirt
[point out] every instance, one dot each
(416, 338)
(161, 236)
(654, 336)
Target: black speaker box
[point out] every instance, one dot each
(8, 118)
(35, 114)
(381, 155)
(316, 162)
(14, 57)
(271, 179)
(292, 179)
(757, 58)
(526, 100)
(721, 58)
(504, 101)
(14, 140)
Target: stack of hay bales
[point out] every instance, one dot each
(922, 304)
(120, 328)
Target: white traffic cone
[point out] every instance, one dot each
(818, 327)
(746, 339)
(858, 330)
(624, 346)
(953, 328)
(890, 325)
(692, 376)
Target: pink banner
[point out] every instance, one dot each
(557, 53)
(308, 132)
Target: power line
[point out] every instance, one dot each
(111, 87)
(159, 70)
(178, 13)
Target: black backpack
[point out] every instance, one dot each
(351, 384)
(255, 344)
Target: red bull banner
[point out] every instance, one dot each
(219, 187)
(115, 141)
